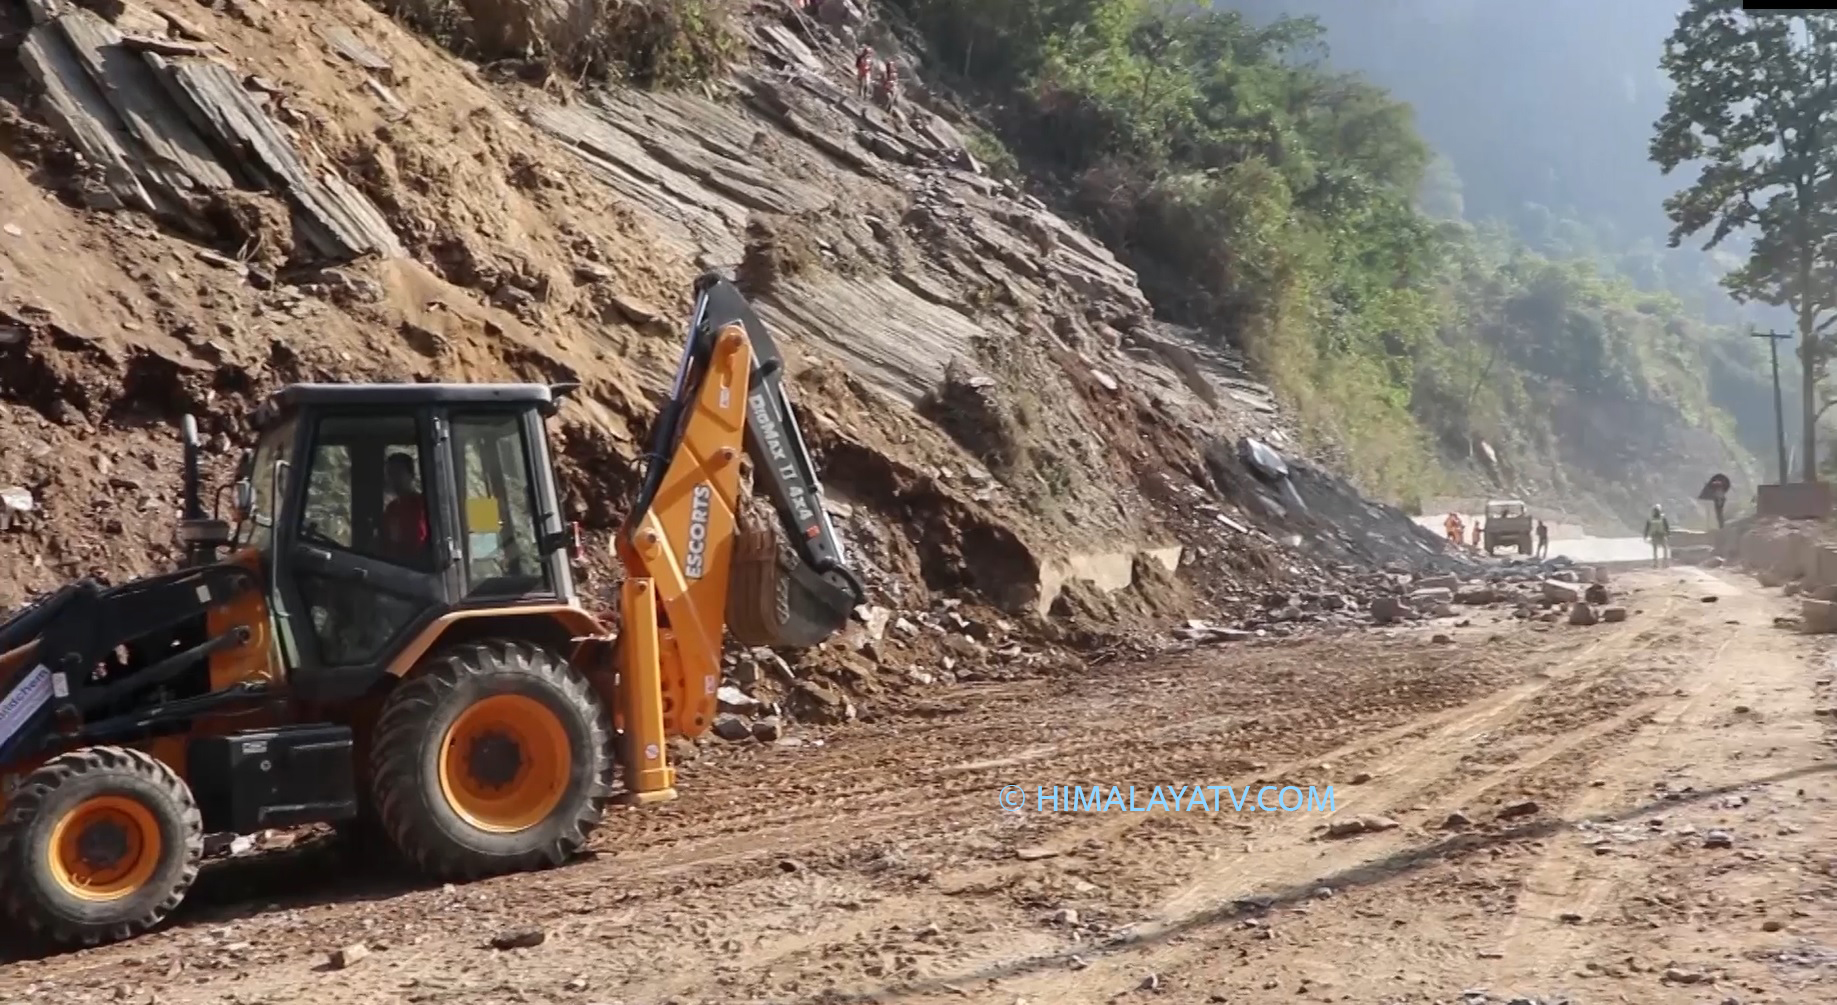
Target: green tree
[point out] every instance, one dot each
(1756, 104)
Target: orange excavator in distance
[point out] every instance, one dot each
(388, 639)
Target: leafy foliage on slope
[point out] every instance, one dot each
(646, 43)
(1272, 201)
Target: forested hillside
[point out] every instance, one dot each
(1275, 201)
(1547, 132)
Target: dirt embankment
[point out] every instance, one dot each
(310, 192)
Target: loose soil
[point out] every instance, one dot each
(1627, 812)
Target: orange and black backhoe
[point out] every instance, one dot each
(388, 639)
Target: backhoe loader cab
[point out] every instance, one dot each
(387, 638)
(377, 511)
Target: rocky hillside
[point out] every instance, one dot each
(198, 205)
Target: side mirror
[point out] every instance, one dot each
(245, 498)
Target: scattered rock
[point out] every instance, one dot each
(732, 699)
(1561, 593)
(349, 956)
(519, 938)
(732, 727)
(1360, 825)
(1387, 609)
(1431, 597)
(1583, 614)
(1817, 617)
(1718, 839)
(1457, 821)
(15, 502)
(1526, 808)
(1613, 615)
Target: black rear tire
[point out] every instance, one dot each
(35, 902)
(431, 829)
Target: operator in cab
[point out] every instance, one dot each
(405, 515)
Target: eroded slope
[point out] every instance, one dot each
(983, 384)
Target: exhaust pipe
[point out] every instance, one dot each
(194, 508)
(200, 534)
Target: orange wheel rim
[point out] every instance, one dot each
(105, 848)
(505, 763)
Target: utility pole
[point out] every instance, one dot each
(1779, 408)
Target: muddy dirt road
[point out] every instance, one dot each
(1635, 812)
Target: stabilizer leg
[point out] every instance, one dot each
(648, 775)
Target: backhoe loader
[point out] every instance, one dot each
(387, 638)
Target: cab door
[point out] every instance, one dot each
(509, 519)
(364, 559)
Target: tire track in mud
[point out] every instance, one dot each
(886, 795)
(1604, 729)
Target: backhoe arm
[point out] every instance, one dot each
(696, 562)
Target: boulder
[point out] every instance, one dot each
(1583, 614)
(1818, 617)
(1386, 609)
(1477, 596)
(1613, 615)
(732, 727)
(1561, 593)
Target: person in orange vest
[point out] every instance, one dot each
(864, 71)
(1453, 526)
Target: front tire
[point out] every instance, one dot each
(97, 845)
(497, 757)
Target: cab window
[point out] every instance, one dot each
(499, 521)
(274, 448)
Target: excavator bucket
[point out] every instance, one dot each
(774, 599)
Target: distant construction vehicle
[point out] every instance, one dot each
(393, 639)
(1508, 523)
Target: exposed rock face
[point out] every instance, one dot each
(983, 384)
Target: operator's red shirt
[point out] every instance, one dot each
(405, 523)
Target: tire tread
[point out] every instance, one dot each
(20, 910)
(401, 732)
